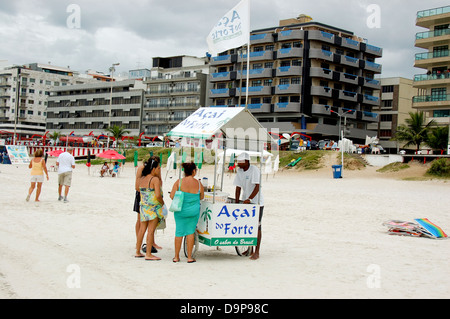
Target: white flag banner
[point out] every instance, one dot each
(232, 30)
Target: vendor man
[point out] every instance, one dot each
(248, 180)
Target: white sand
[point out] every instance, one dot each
(322, 238)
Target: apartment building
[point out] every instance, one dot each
(396, 103)
(175, 89)
(90, 108)
(302, 75)
(27, 88)
(433, 85)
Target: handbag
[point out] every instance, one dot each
(177, 202)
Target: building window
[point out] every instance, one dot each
(439, 94)
(441, 113)
(387, 88)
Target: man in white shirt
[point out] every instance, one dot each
(65, 163)
(248, 181)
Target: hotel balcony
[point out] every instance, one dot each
(321, 73)
(287, 107)
(371, 83)
(255, 90)
(255, 74)
(221, 93)
(223, 59)
(372, 100)
(288, 89)
(350, 61)
(290, 53)
(428, 59)
(256, 56)
(426, 80)
(348, 96)
(350, 43)
(430, 39)
(321, 36)
(321, 109)
(321, 54)
(291, 35)
(427, 18)
(321, 91)
(371, 66)
(261, 38)
(374, 50)
(223, 76)
(288, 71)
(260, 108)
(349, 78)
(369, 116)
(431, 101)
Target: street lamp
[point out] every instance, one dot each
(111, 69)
(341, 134)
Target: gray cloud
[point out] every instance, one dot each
(132, 32)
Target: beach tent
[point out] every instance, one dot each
(235, 124)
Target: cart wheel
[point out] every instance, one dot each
(194, 249)
(244, 250)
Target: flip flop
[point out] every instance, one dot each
(175, 261)
(153, 259)
(191, 261)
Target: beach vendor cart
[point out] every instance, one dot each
(223, 130)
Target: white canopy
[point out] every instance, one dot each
(231, 123)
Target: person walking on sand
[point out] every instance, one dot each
(248, 182)
(38, 168)
(151, 206)
(65, 163)
(186, 219)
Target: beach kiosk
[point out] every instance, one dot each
(223, 222)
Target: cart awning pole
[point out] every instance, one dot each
(223, 165)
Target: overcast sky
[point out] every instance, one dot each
(133, 32)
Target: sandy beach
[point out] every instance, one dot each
(322, 238)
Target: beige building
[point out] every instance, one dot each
(396, 103)
(433, 85)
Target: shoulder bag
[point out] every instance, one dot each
(177, 202)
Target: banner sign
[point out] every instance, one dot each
(18, 154)
(225, 224)
(232, 30)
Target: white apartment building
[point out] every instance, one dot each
(27, 88)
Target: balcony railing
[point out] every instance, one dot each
(428, 77)
(431, 98)
(432, 34)
(432, 12)
(432, 55)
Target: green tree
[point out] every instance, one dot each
(415, 131)
(438, 138)
(117, 132)
(55, 136)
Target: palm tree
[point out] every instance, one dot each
(438, 138)
(55, 136)
(117, 132)
(415, 131)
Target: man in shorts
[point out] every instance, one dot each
(248, 180)
(65, 163)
